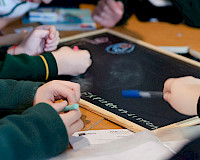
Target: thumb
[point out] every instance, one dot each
(52, 32)
(59, 106)
(119, 8)
(120, 5)
(166, 96)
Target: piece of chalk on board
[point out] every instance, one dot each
(141, 94)
(71, 107)
(76, 48)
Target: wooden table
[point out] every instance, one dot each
(156, 33)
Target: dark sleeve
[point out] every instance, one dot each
(3, 49)
(198, 107)
(128, 10)
(38, 133)
(25, 67)
(189, 151)
(17, 95)
(190, 11)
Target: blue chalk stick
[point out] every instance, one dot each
(71, 107)
(142, 94)
(131, 93)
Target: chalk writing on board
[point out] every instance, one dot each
(94, 97)
(96, 41)
(120, 48)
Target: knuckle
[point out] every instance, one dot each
(54, 81)
(87, 54)
(77, 85)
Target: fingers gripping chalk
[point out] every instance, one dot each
(71, 107)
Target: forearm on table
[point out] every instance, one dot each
(12, 39)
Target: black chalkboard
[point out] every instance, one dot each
(138, 68)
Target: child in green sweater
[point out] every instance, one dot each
(41, 130)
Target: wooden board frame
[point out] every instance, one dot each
(115, 118)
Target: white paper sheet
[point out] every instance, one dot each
(142, 145)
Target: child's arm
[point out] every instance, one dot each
(42, 39)
(12, 39)
(64, 61)
(41, 131)
(24, 67)
(38, 133)
(17, 96)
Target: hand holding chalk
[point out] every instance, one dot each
(71, 62)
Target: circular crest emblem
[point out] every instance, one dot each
(120, 48)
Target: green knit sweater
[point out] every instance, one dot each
(37, 133)
(25, 67)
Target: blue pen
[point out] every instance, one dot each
(141, 94)
(71, 107)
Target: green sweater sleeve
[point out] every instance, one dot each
(15, 94)
(38, 133)
(25, 67)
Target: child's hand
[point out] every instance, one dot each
(183, 94)
(71, 62)
(55, 90)
(43, 38)
(108, 12)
